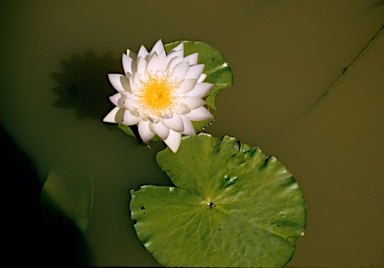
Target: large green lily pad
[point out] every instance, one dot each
(231, 206)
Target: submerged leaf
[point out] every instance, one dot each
(232, 206)
(67, 203)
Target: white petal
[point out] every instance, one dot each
(141, 114)
(145, 131)
(129, 119)
(172, 60)
(154, 119)
(117, 80)
(127, 64)
(156, 63)
(186, 86)
(158, 48)
(161, 130)
(178, 48)
(124, 100)
(166, 116)
(193, 102)
(129, 104)
(180, 70)
(162, 59)
(142, 52)
(132, 84)
(182, 109)
(175, 123)
(201, 78)
(200, 90)
(199, 114)
(115, 99)
(125, 83)
(135, 113)
(114, 116)
(192, 59)
(141, 67)
(152, 63)
(195, 71)
(173, 140)
(188, 127)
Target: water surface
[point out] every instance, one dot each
(284, 55)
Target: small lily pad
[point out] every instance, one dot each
(66, 203)
(231, 206)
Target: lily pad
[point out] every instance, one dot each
(231, 206)
(66, 203)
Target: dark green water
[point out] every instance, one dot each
(284, 55)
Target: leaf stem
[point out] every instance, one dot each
(344, 73)
(338, 80)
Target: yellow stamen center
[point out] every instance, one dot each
(156, 95)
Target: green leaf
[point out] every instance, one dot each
(127, 130)
(216, 67)
(232, 206)
(200, 125)
(67, 202)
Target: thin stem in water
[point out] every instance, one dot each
(338, 80)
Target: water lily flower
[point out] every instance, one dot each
(161, 93)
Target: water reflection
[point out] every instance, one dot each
(84, 84)
(26, 237)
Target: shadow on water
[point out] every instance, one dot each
(84, 84)
(377, 3)
(26, 237)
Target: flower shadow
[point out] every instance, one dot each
(84, 84)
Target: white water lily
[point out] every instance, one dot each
(160, 92)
